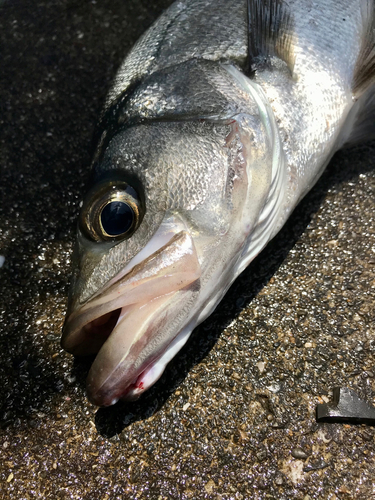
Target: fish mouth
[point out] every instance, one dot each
(137, 322)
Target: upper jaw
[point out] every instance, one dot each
(134, 319)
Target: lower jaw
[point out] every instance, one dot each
(149, 375)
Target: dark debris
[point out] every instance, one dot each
(346, 406)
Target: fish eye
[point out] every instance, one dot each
(116, 218)
(112, 212)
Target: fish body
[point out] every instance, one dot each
(221, 118)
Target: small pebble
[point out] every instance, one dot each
(298, 453)
(279, 480)
(315, 465)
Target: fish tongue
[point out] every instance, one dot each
(138, 339)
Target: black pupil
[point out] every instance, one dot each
(117, 218)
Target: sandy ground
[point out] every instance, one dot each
(234, 414)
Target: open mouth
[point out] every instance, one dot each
(102, 327)
(133, 323)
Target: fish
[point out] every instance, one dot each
(220, 119)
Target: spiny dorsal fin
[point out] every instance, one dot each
(270, 32)
(364, 74)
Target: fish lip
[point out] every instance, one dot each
(176, 279)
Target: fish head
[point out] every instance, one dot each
(161, 236)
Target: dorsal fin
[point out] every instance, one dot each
(364, 73)
(270, 32)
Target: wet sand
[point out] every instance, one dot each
(233, 417)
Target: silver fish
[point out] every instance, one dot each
(221, 118)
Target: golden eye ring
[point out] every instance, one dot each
(111, 213)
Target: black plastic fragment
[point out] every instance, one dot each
(348, 407)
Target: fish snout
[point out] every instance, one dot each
(133, 323)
